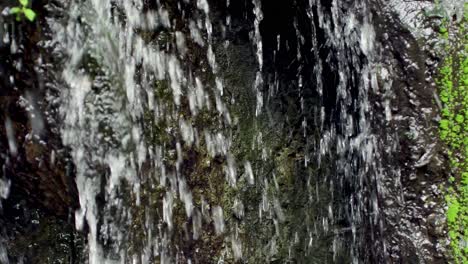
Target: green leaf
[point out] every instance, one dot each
(29, 14)
(15, 10)
(24, 2)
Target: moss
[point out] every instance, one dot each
(48, 241)
(453, 82)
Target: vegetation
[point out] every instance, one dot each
(23, 10)
(453, 85)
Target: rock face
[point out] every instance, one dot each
(414, 201)
(35, 165)
(34, 160)
(305, 204)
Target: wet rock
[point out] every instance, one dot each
(437, 224)
(34, 218)
(420, 236)
(41, 168)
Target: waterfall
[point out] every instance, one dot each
(222, 131)
(129, 109)
(131, 105)
(349, 142)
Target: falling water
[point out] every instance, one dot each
(129, 113)
(205, 132)
(350, 141)
(131, 108)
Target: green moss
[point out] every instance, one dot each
(453, 82)
(44, 239)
